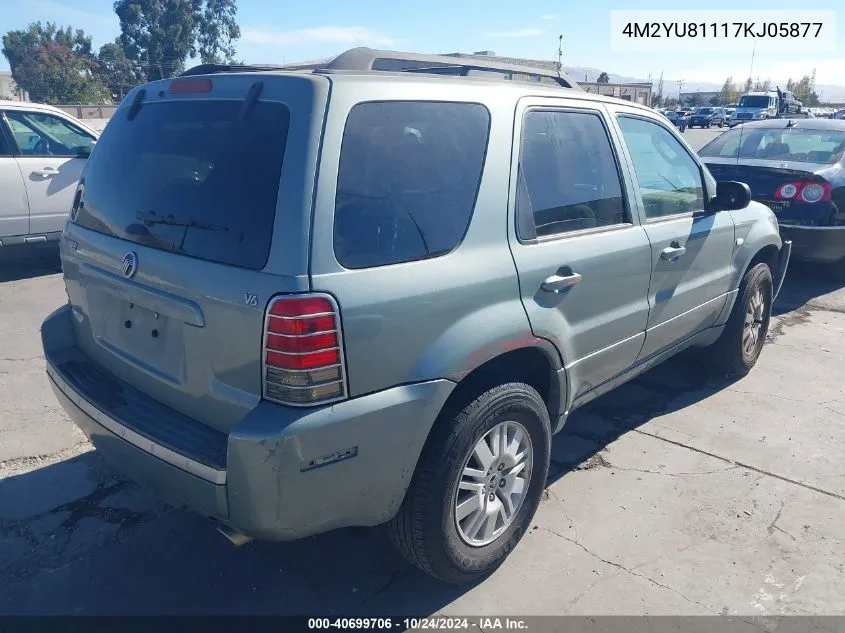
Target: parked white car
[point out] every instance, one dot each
(42, 153)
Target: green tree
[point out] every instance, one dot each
(158, 36)
(729, 91)
(695, 100)
(115, 71)
(803, 90)
(747, 87)
(604, 78)
(54, 65)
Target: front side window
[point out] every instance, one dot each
(39, 134)
(407, 181)
(669, 179)
(568, 176)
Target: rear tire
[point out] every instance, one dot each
(450, 480)
(739, 346)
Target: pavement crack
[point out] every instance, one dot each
(744, 465)
(774, 526)
(621, 567)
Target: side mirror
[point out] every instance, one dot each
(731, 196)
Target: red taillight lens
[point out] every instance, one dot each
(302, 351)
(297, 327)
(190, 86)
(303, 361)
(809, 192)
(301, 344)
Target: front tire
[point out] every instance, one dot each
(477, 486)
(736, 351)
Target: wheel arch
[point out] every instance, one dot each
(538, 365)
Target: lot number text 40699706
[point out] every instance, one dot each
(724, 29)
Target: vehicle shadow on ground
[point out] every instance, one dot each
(804, 282)
(111, 548)
(28, 262)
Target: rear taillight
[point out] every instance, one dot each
(303, 357)
(810, 192)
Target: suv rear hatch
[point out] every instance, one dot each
(193, 211)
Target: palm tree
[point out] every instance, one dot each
(603, 78)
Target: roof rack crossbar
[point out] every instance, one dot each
(367, 59)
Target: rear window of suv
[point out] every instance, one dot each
(199, 178)
(407, 181)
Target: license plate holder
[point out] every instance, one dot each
(776, 206)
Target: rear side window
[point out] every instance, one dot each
(407, 181)
(568, 178)
(192, 177)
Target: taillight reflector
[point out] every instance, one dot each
(190, 86)
(302, 351)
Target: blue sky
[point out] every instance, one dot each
(291, 30)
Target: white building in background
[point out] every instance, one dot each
(8, 88)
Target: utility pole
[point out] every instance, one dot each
(559, 54)
(753, 50)
(680, 87)
(660, 89)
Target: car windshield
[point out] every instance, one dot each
(704, 111)
(779, 144)
(754, 101)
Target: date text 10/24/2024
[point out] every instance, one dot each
(418, 624)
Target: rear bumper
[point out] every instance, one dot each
(269, 482)
(823, 244)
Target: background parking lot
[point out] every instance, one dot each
(679, 493)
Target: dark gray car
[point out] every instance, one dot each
(299, 301)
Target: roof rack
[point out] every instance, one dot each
(211, 69)
(368, 59)
(372, 60)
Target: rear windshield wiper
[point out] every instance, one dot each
(151, 217)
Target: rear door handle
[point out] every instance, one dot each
(671, 253)
(556, 283)
(46, 172)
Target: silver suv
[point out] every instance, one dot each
(371, 293)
